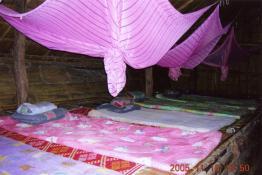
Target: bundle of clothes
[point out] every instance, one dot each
(38, 113)
(124, 103)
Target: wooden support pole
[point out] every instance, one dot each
(149, 81)
(21, 79)
(260, 80)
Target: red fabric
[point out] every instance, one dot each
(81, 110)
(122, 166)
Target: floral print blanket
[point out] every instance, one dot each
(150, 146)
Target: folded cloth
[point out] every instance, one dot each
(172, 94)
(121, 102)
(132, 96)
(33, 109)
(54, 114)
(80, 110)
(137, 96)
(112, 108)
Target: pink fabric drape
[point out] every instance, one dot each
(229, 50)
(196, 47)
(133, 32)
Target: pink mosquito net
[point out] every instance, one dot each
(134, 32)
(195, 48)
(226, 54)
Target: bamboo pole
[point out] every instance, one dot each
(21, 79)
(149, 81)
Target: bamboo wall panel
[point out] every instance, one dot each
(51, 81)
(60, 80)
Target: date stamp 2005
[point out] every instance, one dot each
(179, 167)
(242, 168)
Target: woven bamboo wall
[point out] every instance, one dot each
(52, 80)
(60, 80)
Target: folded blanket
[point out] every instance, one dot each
(121, 102)
(54, 114)
(132, 96)
(112, 108)
(136, 95)
(33, 109)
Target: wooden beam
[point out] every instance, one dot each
(21, 79)
(260, 81)
(149, 81)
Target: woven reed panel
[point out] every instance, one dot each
(53, 81)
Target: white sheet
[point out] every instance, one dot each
(172, 119)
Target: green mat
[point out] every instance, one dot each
(203, 105)
(250, 104)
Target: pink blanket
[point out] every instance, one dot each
(151, 146)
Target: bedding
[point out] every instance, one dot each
(80, 110)
(47, 116)
(171, 119)
(150, 146)
(136, 95)
(17, 158)
(201, 106)
(119, 165)
(250, 104)
(33, 109)
(121, 102)
(127, 108)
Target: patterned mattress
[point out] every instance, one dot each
(161, 147)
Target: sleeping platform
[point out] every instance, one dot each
(138, 146)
